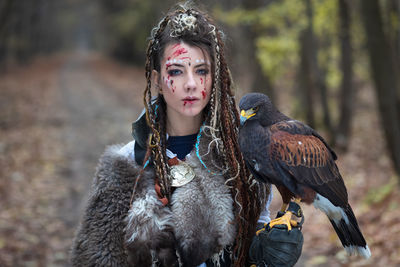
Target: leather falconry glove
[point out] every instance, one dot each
(276, 246)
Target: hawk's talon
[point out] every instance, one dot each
(259, 231)
(286, 219)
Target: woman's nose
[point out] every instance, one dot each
(190, 82)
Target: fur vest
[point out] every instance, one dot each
(197, 224)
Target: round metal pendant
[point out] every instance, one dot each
(181, 174)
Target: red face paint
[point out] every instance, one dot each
(204, 93)
(184, 103)
(201, 79)
(179, 52)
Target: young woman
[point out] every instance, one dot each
(180, 194)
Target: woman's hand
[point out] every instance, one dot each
(276, 246)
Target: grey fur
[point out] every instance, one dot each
(100, 238)
(203, 215)
(198, 223)
(200, 216)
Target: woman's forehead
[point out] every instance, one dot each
(184, 51)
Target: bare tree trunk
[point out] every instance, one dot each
(306, 78)
(5, 12)
(392, 18)
(391, 21)
(260, 81)
(311, 78)
(318, 74)
(384, 76)
(397, 8)
(323, 88)
(396, 44)
(347, 92)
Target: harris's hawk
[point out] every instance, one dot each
(298, 161)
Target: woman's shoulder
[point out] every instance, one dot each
(119, 151)
(116, 164)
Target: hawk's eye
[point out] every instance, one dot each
(255, 109)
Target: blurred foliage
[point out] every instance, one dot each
(29, 28)
(326, 25)
(123, 28)
(276, 54)
(377, 195)
(279, 25)
(129, 24)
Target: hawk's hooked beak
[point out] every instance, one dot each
(246, 114)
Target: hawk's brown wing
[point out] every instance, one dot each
(294, 155)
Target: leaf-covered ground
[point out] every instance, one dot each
(58, 113)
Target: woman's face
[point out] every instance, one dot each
(185, 80)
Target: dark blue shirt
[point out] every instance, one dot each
(181, 145)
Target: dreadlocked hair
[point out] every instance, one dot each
(155, 115)
(221, 117)
(240, 179)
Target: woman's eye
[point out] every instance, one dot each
(174, 72)
(202, 71)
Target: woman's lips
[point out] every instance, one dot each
(189, 100)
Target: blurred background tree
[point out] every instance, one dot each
(385, 72)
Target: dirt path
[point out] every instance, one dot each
(58, 115)
(96, 117)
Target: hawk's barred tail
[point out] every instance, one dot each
(345, 224)
(350, 234)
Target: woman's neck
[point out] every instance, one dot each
(183, 125)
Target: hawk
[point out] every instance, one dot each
(298, 161)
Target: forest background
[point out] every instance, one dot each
(71, 82)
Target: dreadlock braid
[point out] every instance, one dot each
(216, 85)
(158, 151)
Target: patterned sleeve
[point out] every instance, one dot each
(265, 216)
